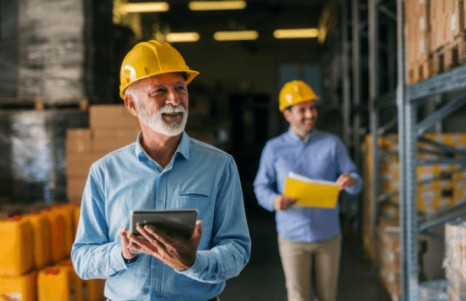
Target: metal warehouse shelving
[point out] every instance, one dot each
(406, 101)
(409, 132)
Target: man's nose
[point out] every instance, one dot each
(309, 113)
(172, 98)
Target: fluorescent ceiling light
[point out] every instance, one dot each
(146, 7)
(236, 35)
(182, 37)
(296, 33)
(216, 5)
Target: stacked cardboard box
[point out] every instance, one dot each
(446, 191)
(386, 145)
(448, 40)
(455, 259)
(389, 261)
(435, 37)
(389, 252)
(111, 127)
(450, 188)
(433, 290)
(418, 41)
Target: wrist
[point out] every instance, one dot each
(130, 260)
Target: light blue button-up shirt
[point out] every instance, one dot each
(199, 176)
(322, 156)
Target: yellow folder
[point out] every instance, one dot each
(311, 193)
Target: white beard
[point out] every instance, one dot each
(156, 122)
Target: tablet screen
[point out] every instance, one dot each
(177, 223)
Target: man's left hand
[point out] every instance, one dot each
(179, 254)
(345, 181)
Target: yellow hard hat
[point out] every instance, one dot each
(295, 92)
(151, 58)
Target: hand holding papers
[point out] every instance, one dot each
(310, 192)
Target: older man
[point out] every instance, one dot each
(163, 169)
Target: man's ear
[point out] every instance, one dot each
(286, 114)
(130, 104)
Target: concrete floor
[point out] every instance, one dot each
(263, 278)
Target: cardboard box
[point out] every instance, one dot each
(439, 33)
(389, 248)
(443, 184)
(105, 140)
(456, 139)
(443, 203)
(426, 204)
(453, 12)
(457, 281)
(129, 135)
(111, 117)
(78, 141)
(79, 164)
(75, 188)
(459, 176)
(459, 194)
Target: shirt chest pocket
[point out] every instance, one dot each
(194, 200)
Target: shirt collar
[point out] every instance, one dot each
(183, 147)
(295, 137)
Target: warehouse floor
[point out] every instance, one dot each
(263, 279)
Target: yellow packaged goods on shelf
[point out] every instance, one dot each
(18, 288)
(16, 237)
(67, 211)
(95, 289)
(77, 213)
(42, 247)
(311, 193)
(57, 233)
(59, 282)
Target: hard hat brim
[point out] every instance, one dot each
(191, 75)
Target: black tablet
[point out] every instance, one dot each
(177, 223)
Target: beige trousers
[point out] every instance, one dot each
(298, 260)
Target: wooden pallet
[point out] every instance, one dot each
(42, 104)
(450, 55)
(419, 70)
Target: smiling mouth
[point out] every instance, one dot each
(172, 117)
(172, 114)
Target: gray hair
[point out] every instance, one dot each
(133, 92)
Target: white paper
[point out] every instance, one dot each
(298, 177)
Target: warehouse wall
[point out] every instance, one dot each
(44, 49)
(70, 50)
(244, 67)
(8, 48)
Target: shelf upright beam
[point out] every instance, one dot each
(356, 64)
(407, 159)
(400, 99)
(373, 110)
(411, 226)
(345, 78)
